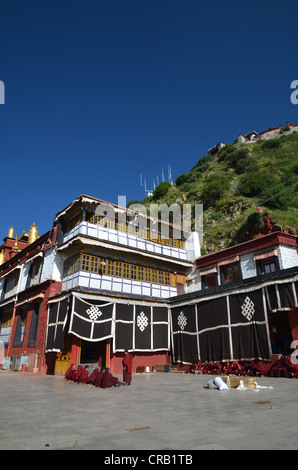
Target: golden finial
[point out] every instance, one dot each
(2, 256)
(11, 232)
(16, 245)
(33, 234)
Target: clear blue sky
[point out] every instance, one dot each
(97, 92)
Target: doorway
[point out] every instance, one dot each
(282, 333)
(93, 353)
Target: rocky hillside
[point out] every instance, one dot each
(246, 189)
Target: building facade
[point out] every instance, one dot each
(241, 303)
(28, 277)
(105, 279)
(122, 266)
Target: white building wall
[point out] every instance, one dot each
(25, 274)
(287, 256)
(248, 265)
(52, 266)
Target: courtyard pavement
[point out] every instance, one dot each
(159, 411)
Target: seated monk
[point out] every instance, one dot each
(78, 373)
(84, 375)
(261, 369)
(278, 369)
(292, 369)
(227, 368)
(195, 367)
(237, 369)
(243, 368)
(108, 380)
(92, 376)
(192, 368)
(70, 373)
(218, 368)
(206, 368)
(213, 367)
(98, 379)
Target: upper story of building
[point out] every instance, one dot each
(30, 261)
(106, 247)
(253, 260)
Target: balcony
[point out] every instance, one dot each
(89, 280)
(120, 235)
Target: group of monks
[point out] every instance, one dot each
(100, 378)
(283, 367)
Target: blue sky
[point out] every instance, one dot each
(97, 92)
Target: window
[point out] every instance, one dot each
(85, 262)
(94, 264)
(267, 266)
(5, 330)
(231, 273)
(209, 281)
(10, 286)
(118, 269)
(110, 267)
(147, 274)
(161, 277)
(133, 272)
(154, 276)
(34, 325)
(102, 266)
(20, 328)
(71, 266)
(34, 273)
(126, 271)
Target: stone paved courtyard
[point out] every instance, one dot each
(159, 411)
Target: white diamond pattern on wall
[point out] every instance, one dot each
(94, 312)
(142, 321)
(248, 308)
(182, 320)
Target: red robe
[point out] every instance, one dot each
(206, 368)
(70, 373)
(83, 377)
(127, 368)
(92, 376)
(98, 380)
(108, 380)
(78, 374)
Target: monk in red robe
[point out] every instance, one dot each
(292, 368)
(227, 368)
(127, 367)
(257, 369)
(108, 380)
(92, 376)
(78, 373)
(98, 379)
(237, 369)
(84, 375)
(70, 373)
